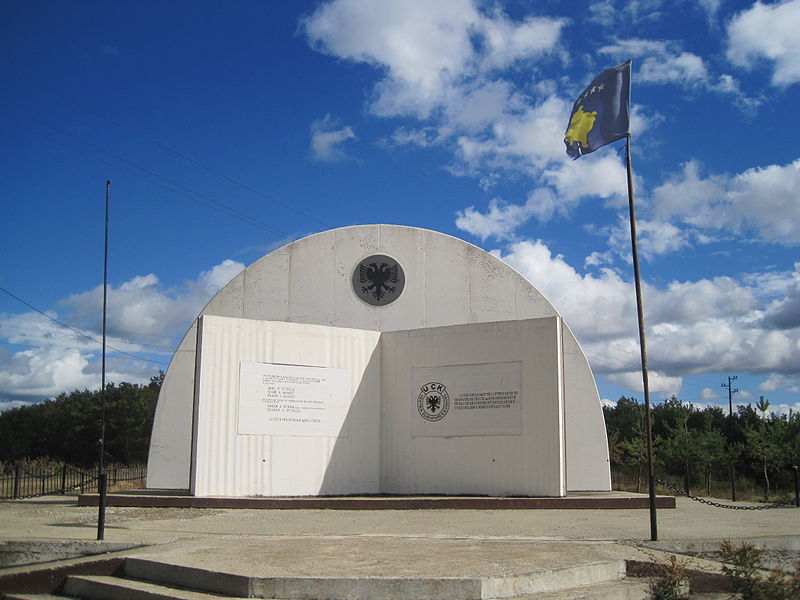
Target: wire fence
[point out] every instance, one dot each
(717, 488)
(680, 492)
(20, 481)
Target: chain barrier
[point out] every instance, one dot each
(720, 504)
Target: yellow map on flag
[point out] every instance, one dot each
(580, 125)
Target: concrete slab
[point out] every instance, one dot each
(392, 543)
(378, 568)
(28, 552)
(103, 587)
(60, 518)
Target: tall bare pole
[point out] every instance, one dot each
(102, 482)
(731, 392)
(651, 478)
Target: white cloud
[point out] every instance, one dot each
(662, 62)
(775, 381)
(608, 403)
(653, 238)
(785, 409)
(598, 176)
(785, 313)
(426, 50)
(658, 383)
(327, 139)
(687, 301)
(42, 371)
(507, 41)
(595, 259)
(8, 405)
(768, 32)
(424, 137)
(144, 318)
(708, 394)
(596, 305)
(693, 327)
(443, 63)
(602, 12)
(710, 7)
(499, 221)
(761, 200)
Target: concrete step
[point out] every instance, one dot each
(214, 582)
(105, 587)
(376, 588)
(624, 589)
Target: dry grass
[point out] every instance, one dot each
(746, 490)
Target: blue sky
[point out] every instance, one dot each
(228, 131)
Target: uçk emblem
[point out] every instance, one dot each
(378, 280)
(433, 401)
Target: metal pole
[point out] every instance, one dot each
(643, 347)
(731, 391)
(17, 474)
(101, 469)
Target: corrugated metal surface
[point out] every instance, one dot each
(227, 463)
(532, 463)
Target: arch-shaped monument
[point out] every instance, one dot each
(379, 359)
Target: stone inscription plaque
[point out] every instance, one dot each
(292, 400)
(467, 400)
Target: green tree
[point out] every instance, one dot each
(711, 451)
(678, 445)
(67, 428)
(762, 447)
(634, 453)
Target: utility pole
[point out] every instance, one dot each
(731, 392)
(102, 481)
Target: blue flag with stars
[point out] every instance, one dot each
(600, 114)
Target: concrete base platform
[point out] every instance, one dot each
(483, 551)
(375, 567)
(587, 500)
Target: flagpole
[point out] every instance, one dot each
(102, 482)
(642, 346)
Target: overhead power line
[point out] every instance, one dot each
(80, 333)
(192, 195)
(163, 146)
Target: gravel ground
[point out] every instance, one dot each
(370, 537)
(57, 517)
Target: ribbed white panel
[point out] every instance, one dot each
(230, 464)
(532, 463)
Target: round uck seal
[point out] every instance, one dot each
(433, 401)
(378, 280)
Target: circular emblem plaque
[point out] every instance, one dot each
(433, 401)
(378, 280)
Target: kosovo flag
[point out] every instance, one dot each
(600, 114)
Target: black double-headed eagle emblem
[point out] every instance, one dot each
(378, 280)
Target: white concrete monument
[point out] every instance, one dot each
(379, 359)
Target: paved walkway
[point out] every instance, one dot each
(57, 517)
(389, 542)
